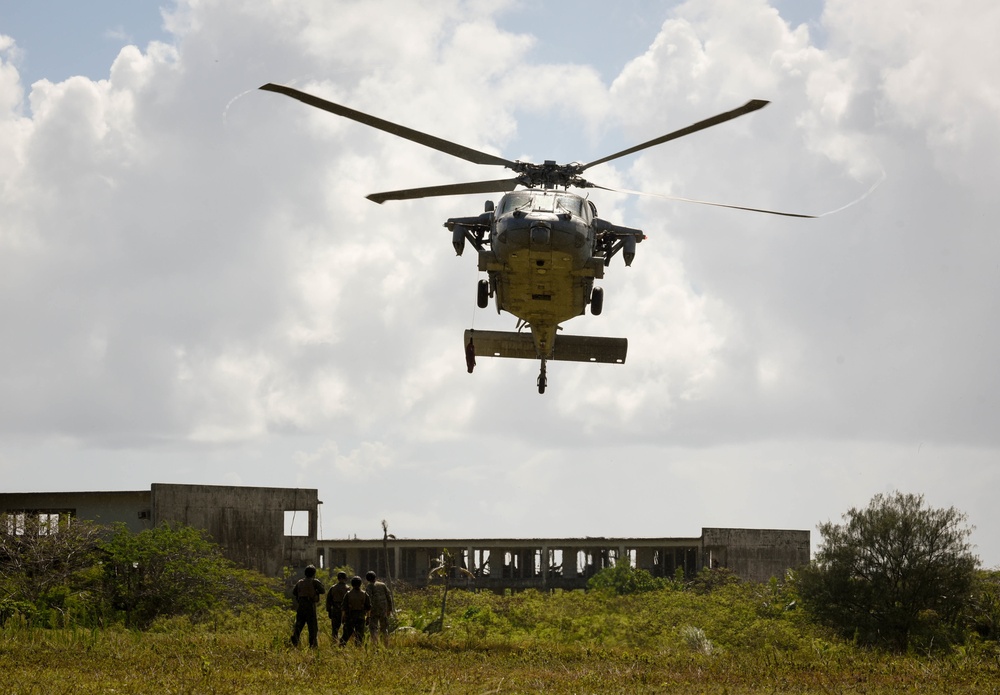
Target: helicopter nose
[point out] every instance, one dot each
(541, 234)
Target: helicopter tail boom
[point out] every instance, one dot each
(567, 348)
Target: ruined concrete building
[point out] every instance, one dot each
(567, 563)
(268, 529)
(263, 528)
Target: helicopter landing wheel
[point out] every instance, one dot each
(597, 301)
(542, 379)
(483, 294)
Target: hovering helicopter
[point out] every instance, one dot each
(542, 247)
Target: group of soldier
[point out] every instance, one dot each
(351, 608)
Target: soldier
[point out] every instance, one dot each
(335, 602)
(307, 592)
(356, 608)
(381, 608)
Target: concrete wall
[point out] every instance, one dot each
(130, 508)
(755, 554)
(248, 522)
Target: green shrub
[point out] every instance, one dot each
(982, 614)
(623, 579)
(174, 570)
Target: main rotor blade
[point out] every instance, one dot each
(504, 185)
(436, 143)
(748, 107)
(705, 202)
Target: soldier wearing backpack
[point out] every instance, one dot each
(357, 606)
(307, 592)
(381, 608)
(335, 603)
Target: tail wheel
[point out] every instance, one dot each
(542, 379)
(597, 301)
(483, 294)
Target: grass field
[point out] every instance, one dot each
(738, 640)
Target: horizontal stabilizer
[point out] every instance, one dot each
(571, 348)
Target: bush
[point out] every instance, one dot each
(983, 614)
(46, 567)
(896, 574)
(174, 570)
(623, 580)
(711, 579)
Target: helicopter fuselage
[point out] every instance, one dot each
(542, 250)
(541, 263)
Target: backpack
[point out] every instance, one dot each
(307, 590)
(356, 600)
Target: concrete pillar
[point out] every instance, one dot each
(569, 562)
(644, 558)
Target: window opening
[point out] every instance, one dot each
(297, 522)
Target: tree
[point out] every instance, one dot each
(173, 570)
(443, 568)
(44, 562)
(385, 552)
(895, 574)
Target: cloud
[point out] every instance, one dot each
(189, 268)
(118, 34)
(355, 465)
(832, 327)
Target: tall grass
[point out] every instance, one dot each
(564, 642)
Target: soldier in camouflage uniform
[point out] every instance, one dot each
(356, 607)
(307, 592)
(381, 608)
(335, 602)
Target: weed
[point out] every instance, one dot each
(734, 638)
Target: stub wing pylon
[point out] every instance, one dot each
(567, 348)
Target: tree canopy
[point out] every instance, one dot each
(172, 569)
(896, 573)
(57, 570)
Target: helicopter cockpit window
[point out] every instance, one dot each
(570, 204)
(543, 203)
(540, 202)
(514, 201)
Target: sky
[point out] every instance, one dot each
(194, 289)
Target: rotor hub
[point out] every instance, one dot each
(550, 174)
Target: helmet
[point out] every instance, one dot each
(311, 571)
(370, 576)
(341, 575)
(356, 581)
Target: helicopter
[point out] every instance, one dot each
(542, 247)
